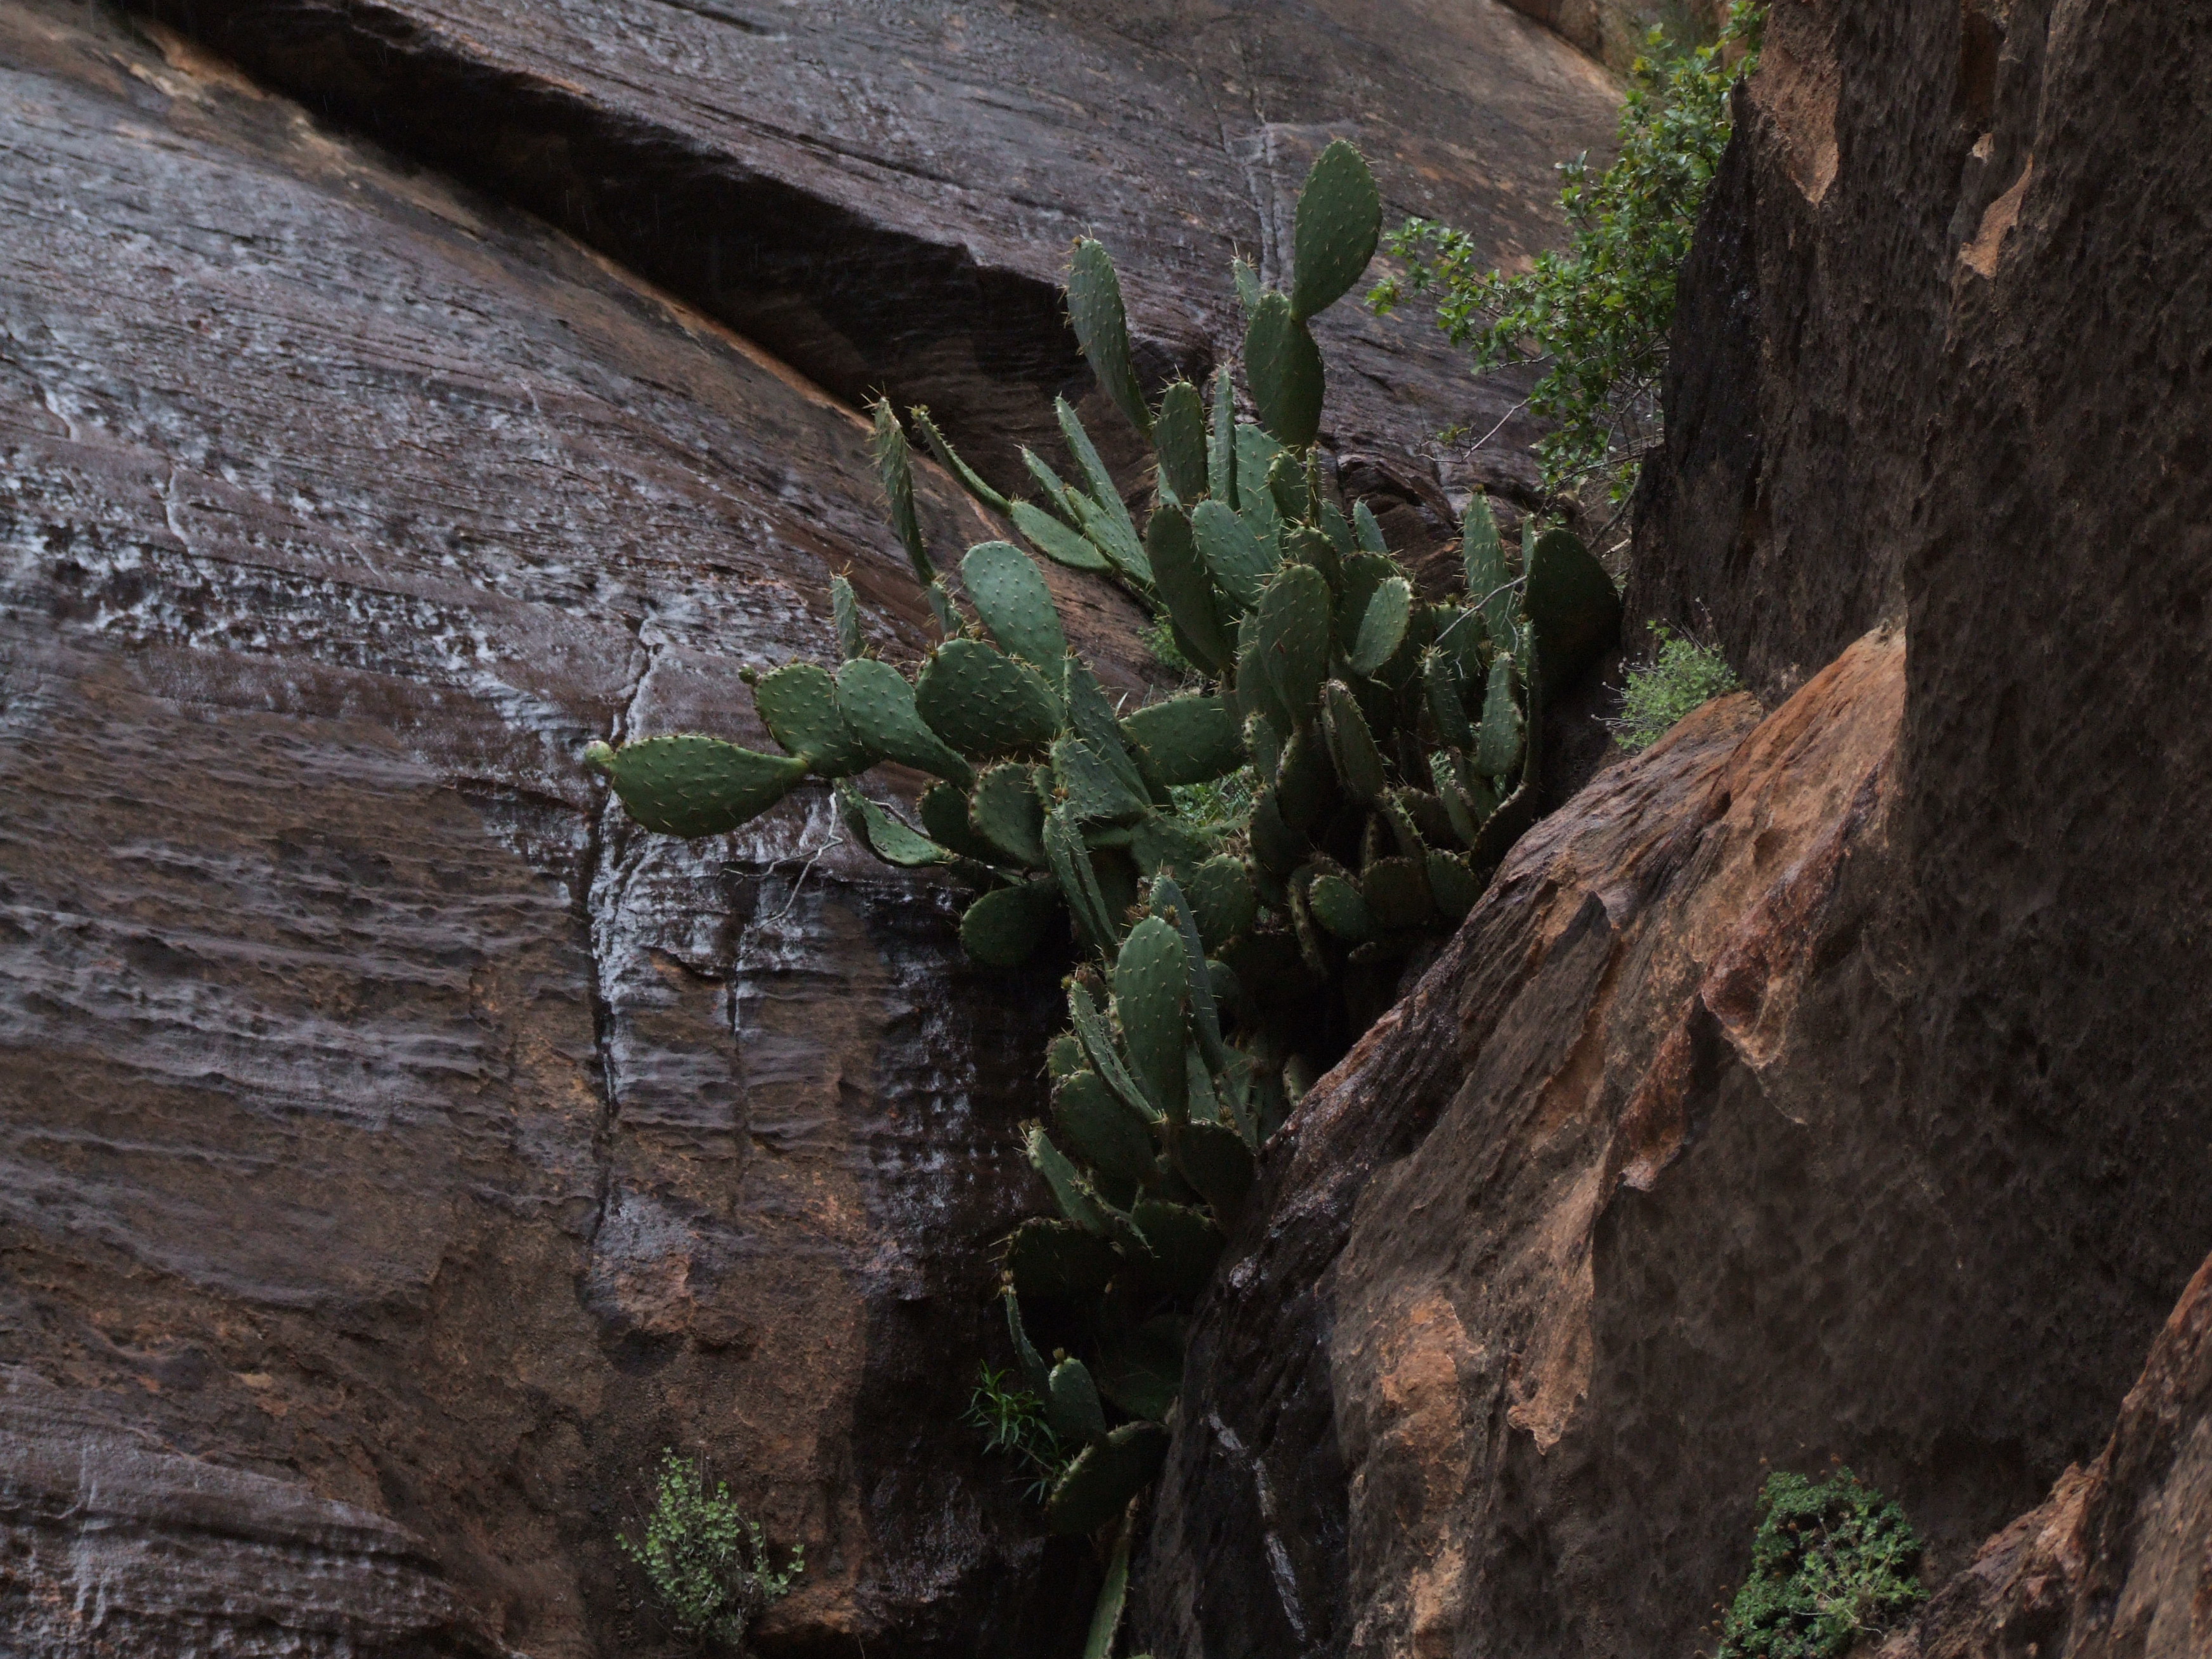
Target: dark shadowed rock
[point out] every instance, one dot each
(397, 1147)
(2117, 1561)
(884, 196)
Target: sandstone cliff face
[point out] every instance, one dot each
(883, 195)
(383, 1117)
(1911, 1173)
(399, 1150)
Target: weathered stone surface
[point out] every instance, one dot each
(386, 1125)
(884, 196)
(2117, 1561)
(1488, 1376)
(1569, 1243)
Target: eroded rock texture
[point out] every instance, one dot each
(884, 195)
(1572, 1242)
(388, 1128)
(1891, 1146)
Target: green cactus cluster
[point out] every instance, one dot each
(1391, 742)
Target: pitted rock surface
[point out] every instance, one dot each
(388, 1125)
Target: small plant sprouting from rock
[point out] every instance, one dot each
(1013, 1422)
(1832, 1562)
(1679, 675)
(708, 1565)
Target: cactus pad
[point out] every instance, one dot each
(1184, 588)
(1452, 883)
(1440, 681)
(878, 703)
(798, 704)
(1306, 785)
(1095, 792)
(1339, 214)
(1230, 552)
(889, 837)
(1139, 1368)
(1179, 441)
(1105, 1477)
(1351, 745)
(1102, 328)
(845, 612)
(1188, 739)
(1005, 811)
(1220, 892)
(1070, 1402)
(1056, 540)
(1151, 984)
(1382, 628)
(1221, 441)
(1282, 365)
(1069, 1189)
(1070, 863)
(1113, 529)
(1366, 531)
(1106, 1058)
(1184, 1244)
(1397, 892)
(1294, 627)
(694, 785)
(1214, 1159)
(1338, 906)
(1004, 927)
(1498, 745)
(964, 474)
(895, 466)
(1159, 842)
(1011, 595)
(1096, 1123)
(1572, 605)
(983, 702)
(1054, 1259)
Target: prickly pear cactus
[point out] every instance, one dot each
(1388, 745)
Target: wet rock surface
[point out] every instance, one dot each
(884, 196)
(395, 1142)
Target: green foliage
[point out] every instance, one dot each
(708, 1565)
(1013, 1423)
(1679, 675)
(1831, 1563)
(1246, 866)
(1595, 317)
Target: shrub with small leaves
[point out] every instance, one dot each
(1595, 317)
(1831, 1562)
(708, 1563)
(1679, 675)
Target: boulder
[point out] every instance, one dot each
(400, 1150)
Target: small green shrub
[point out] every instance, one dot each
(708, 1565)
(1013, 1423)
(1831, 1562)
(1679, 675)
(1596, 316)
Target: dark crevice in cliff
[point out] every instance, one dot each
(860, 307)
